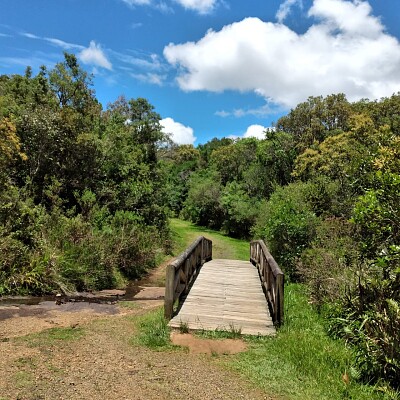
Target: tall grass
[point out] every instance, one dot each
(302, 361)
(153, 331)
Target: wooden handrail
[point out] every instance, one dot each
(182, 272)
(272, 278)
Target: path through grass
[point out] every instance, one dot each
(302, 362)
(184, 233)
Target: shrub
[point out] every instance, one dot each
(369, 318)
(328, 265)
(288, 225)
(202, 205)
(239, 209)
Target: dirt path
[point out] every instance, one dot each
(100, 362)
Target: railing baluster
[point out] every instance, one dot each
(188, 263)
(271, 276)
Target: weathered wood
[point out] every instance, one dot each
(181, 273)
(227, 295)
(271, 276)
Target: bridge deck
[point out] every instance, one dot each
(226, 295)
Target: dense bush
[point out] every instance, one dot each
(370, 318)
(329, 264)
(240, 211)
(202, 205)
(82, 195)
(288, 225)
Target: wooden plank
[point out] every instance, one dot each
(227, 294)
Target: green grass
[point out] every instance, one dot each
(154, 332)
(302, 362)
(52, 336)
(131, 305)
(184, 233)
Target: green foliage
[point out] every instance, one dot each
(154, 331)
(288, 224)
(276, 156)
(208, 148)
(370, 319)
(240, 211)
(329, 264)
(202, 205)
(180, 163)
(223, 246)
(233, 160)
(377, 213)
(316, 119)
(302, 362)
(82, 194)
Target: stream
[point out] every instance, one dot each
(104, 301)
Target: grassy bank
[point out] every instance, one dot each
(302, 361)
(184, 233)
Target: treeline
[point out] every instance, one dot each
(82, 193)
(85, 196)
(323, 190)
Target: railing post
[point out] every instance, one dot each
(169, 292)
(271, 276)
(280, 289)
(182, 272)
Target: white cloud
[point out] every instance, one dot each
(94, 55)
(262, 111)
(223, 113)
(56, 42)
(347, 49)
(29, 35)
(256, 131)
(180, 133)
(155, 79)
(148, 62)
(285, 8)
(137, 2)
(64, 45)
(200, 6)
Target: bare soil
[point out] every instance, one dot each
(102, 361)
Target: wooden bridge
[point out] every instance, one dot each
(230, 295)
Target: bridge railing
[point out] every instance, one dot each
(182, 272)
(272, 278)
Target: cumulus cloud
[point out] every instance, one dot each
(347, 49)
(256, 131)
(200, 6)
(94, 55)
(180, 133)
(285, 8)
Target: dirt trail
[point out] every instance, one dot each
(102, 362)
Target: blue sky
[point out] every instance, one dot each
(212, 68)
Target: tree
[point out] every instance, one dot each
(316, 119)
